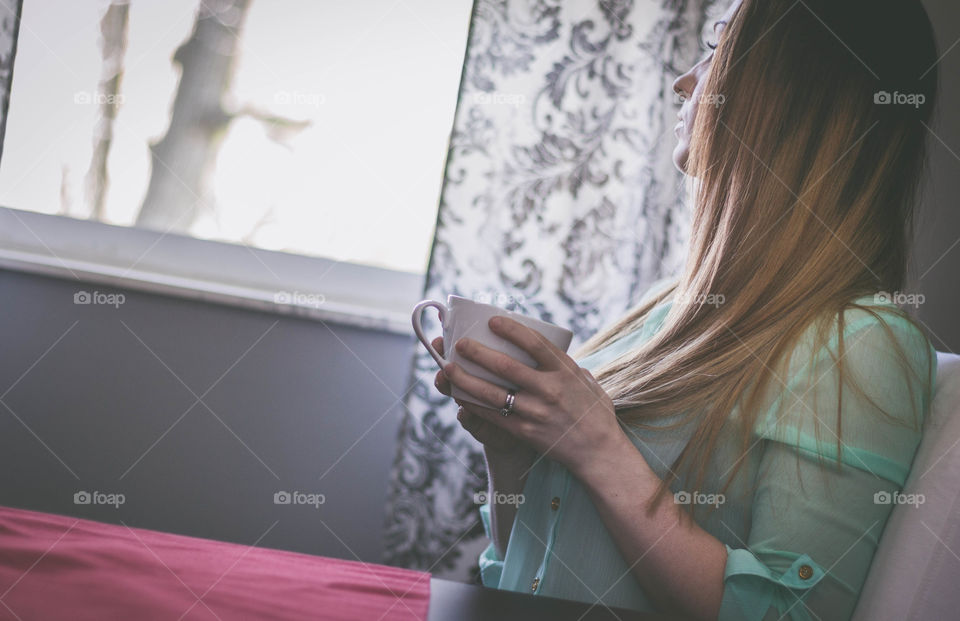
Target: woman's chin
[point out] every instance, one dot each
(681, 154)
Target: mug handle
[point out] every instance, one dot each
(417, 313)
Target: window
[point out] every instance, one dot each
(316, 128)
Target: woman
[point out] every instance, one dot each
(733, 446)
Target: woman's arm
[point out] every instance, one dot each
(679, 565)
(508, 461)
(507, 473)
(562, 411)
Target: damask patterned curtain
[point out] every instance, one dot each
(9, 27)
(560, 201)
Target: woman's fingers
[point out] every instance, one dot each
(500, 363)
(483, 423)
(475, 410)
(547, 355)
(440, 381)
(474, 425)
(466, 419)
(473, 419)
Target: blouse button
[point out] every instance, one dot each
(536, 583)
(805, 572)
(555, 503)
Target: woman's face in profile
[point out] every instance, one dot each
(690, 86)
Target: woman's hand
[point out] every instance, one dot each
(471, 417)
(560, 409)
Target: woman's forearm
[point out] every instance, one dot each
(679, 565)
(506, 473)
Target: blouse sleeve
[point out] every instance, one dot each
(815, 523)
(491, 565)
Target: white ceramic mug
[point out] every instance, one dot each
(461, 317)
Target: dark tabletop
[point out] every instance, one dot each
(455, 601)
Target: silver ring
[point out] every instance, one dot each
(508, 406)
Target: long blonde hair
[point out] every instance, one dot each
(804, 186)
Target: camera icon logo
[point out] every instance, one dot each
(82, 297)
(881, 97)
(882, 498)
(281, 498)
(81, 498)
(480, 498)
(682, 498)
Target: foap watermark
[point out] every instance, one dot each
(499, 299)
(99, 298)
(99, 498)
(698, 498)
(899, 298)
(705, 99)
(498, 498)
(896, 98)
(299, 298)
(297, 98)
(499, 99)
(898, 498)
(299, 498)
(700, 299)
(101, 99)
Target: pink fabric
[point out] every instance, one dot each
(56, 567)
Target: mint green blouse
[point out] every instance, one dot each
(799, 529)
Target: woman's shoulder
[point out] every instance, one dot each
(878, 310)
(864, 382)
(875, 330)
(867, 323)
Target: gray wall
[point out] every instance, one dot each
(308, 398)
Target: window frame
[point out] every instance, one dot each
(232, 274)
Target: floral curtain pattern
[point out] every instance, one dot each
(560, 201)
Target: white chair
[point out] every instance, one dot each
(915, 573)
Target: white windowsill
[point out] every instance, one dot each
(235, 275)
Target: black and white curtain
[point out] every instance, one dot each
(9, 27)
(560, 201)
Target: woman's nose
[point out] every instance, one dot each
(685, 83)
